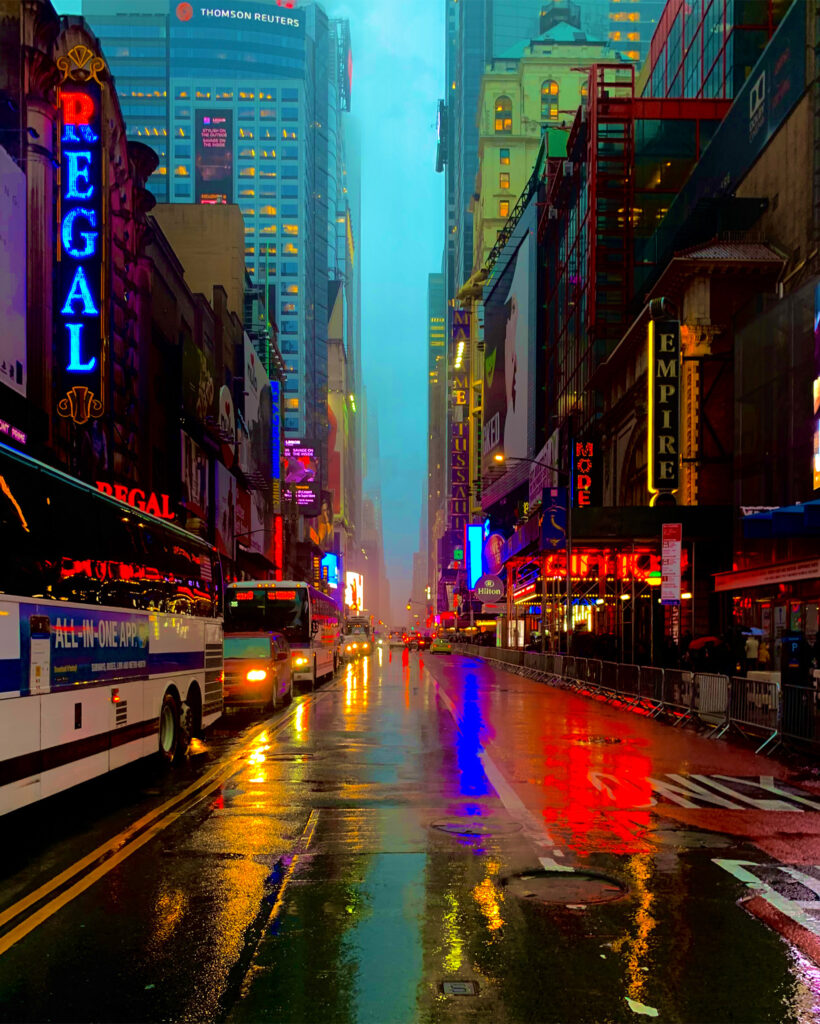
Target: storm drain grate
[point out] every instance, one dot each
(570, 888)
(459, 988)
(475, 826)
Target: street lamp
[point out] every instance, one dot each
(500, 458)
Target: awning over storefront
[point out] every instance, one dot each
(768, 575)
(788, 521)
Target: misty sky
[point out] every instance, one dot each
(398, 76)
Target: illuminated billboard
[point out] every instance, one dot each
(214, 156)
(82, 295)
(354, 591)
(509, 331)
(302, 482)
(240, 15)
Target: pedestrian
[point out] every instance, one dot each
(763, 657)
(751, 650)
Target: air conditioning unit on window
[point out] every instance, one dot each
(552, 213)
(569, 168)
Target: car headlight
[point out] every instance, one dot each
(256, 675)
(300, 662)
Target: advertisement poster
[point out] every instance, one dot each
(225, 506)
(672, 536)
(507, 345)
(83, 645)
(256, 450)
(194, 464)
(302, 482)
(214, 156)
(12, 274)
(354, 591)
(198, 384)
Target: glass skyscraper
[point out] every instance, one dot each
(244, 105)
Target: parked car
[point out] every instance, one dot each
(258, 670)
(441, 645)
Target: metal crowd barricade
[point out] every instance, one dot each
(799, 719)
(678, 693)
(650, 686)
(609, 676)
(629, 681)
(754, 706)
(711, 700)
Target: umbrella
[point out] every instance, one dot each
(753, 631)
(703, 641)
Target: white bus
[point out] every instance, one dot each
(110, 633)
(309, 620)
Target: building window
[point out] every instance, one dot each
(247, 172)
(288, 307)
(183, 151)
(248, 211)
(290, 191)
(292, 134)
(245, 114)
(504, 208)
(292, 403)
(250, 250)
(182, 112)
(549, 100)
(290, 249)
(182, 94)
(224, 94)
(247, 95)
(290, 210)
(245, 133)
(290, 95)
(268, 229)
(504, 180)
(268, 211)
(291, 289)
(181, 171)
(183, 133)
(291, 422)
(291, 384)
(503, 114)
(247, 193)
(268, 154)
(267, 113)
(504, 157)
(247, 154)
(267, 193)
(290, 229)
(203, 94)
(269, 249)
(182, 190)
(267, 174)
(290, 113)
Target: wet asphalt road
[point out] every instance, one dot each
(420, 821)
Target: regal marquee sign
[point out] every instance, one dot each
(81, 306)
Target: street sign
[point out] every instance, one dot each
(672, 535)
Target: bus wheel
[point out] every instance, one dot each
(169, 728)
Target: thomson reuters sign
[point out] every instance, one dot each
(253, 13)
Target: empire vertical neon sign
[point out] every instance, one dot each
(82, 294)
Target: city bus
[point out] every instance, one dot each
(309, 620)
(110, 633)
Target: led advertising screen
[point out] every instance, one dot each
(302, 479)
(354, 591)
(508, 355)
(214, 156)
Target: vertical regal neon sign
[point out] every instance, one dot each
(80, 309)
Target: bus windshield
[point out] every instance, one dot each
(266, 610)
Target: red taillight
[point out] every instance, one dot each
(115, 695)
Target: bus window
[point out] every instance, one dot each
(269, 610)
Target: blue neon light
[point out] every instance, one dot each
(275, 430)
(89, 237)
(75, 363)
(79, 292)
(330, 564)
(77, 174)
(475, 541)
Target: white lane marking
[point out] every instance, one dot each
(791, 908)
(533, 827)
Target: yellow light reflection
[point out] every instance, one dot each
(381, 656)
(637, 946)
(299, 723)
(489, 898)
(454, 947)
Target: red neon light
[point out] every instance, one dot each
(282, 595)
(78, 107)
(154, 504)
(243, 595)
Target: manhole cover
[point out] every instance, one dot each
(567, 887)
(459, 988)
(476, 826)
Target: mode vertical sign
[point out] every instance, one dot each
(664, 405)
(81, 313)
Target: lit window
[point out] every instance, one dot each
(183, 133)
(246, 192)
(290, 249)
(549, 101)
(247, 153)
(585, 88)
(503, 180)
(181, 171)
(267, 174)
(245, 133)
(225, 94)
(269, 249)
(248, 211)
(268, 154)
(268, 229)
(633, 55)
(503, 114)
(249, 229)
(288, 307)
(615, 36)
(291, 403)
(291, 289)
(504, 156)
(250, 250)
(504, 208)
(203, 94)
(182, 94)
(268, 211)
(247, 172)
(633, 37)
(246, 95)
(290, 229)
